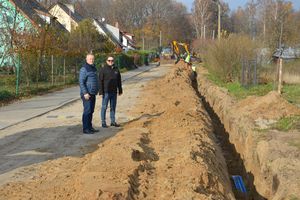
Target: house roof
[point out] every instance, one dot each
(74, 15)
(31, 9)
(131, 41)
(126, 33)
(288, 53)
(110, 35)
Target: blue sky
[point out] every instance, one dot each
(233, 4)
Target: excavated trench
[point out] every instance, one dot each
(234, 162)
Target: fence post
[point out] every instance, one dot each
(249, 74)
(64, 71)
(52, 70)
(243, 72)
(255, 73)
(18, 75)
(280, 76)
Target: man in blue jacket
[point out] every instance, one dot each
(110, 86)
(89, 87)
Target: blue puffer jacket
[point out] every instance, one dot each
(88, 80)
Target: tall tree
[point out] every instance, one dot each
(201, 16)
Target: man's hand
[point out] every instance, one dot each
(87, 96)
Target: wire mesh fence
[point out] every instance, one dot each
(249, 76)
(34, 75)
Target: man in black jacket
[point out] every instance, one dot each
(110, 86)
(89, 85)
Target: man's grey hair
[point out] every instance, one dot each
(89, 54)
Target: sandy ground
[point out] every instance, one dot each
(271, 157)
(165, 150)
(59, 133)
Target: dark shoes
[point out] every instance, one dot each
(94, 130)
(112, 124)
(104, 126)
(91, 131)
(88, 132)
(115, 124)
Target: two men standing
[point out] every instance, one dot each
(108, 84)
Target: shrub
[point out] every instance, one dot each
(224, 57)
(6, 95)
(8, 80)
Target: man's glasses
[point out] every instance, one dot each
(110, 60)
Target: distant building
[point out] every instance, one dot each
(289, 53)
(21, 17)
(111, 32)
(128, 41)
(66, 15)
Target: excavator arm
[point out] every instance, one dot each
(181, 51)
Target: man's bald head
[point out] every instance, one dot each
(90, 58)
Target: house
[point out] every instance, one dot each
(22, 17)
(111, 32)
(287, 53)
(127, 40)
(69, 18)
(66, 15)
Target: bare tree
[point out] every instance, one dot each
(201, 16)
(144, 18)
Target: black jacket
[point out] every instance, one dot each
(110, 80)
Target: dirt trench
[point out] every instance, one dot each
(234, 162)
(266, 159)
(168, 150)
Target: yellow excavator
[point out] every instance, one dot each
(181, 51)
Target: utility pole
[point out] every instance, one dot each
(219, 20)
(280, 59)
(52, 71)
(160, 38)
(143, 42)
(280, 76)
(219, 17)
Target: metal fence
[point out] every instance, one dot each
(249, 73)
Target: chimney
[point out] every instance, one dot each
(71, 7)
(117, 24)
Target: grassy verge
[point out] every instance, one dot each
(8, 90)
(290, 92)
(287, 123)
(240, 92)
(7, 93)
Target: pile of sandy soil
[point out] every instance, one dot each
(271, 156)
(166, 152)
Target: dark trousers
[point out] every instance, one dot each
(88, 110)
(112, 99)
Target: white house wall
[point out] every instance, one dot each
(125, 41)
(63, 17)
(114, 30)
(99, 29)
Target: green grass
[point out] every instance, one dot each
(287, 123)
(240, 92)
(7, 93)
(293, 197)
(292, 93)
